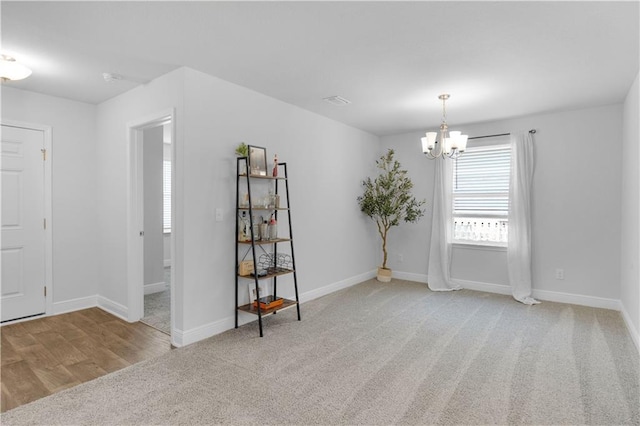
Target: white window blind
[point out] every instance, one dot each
(481, 182)
(481, 196)
(166, 190)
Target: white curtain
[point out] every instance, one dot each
(519, 245)
(439, 276)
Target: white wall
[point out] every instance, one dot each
(334, 242)
(326, 162)
(153, 147)
(113, 116)
(576, 204)
(74, 191)
(630, 256)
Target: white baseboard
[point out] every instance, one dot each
(576, 299)
(183, 338)
(167, 263)
(155, 288)
(486, 287)
(90, 302)
(635, 336)
(330, 288)
(74, 305)
(113, 308)
(409, 276)
(550, 296)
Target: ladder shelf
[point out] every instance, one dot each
(273, 270)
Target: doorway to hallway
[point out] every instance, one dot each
(151, 241)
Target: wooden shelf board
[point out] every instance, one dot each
(264, 177)
(279, 240)
(279, 272)
(262, 208)
(286, 303)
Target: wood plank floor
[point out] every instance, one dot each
(46, 355)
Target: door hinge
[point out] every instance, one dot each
(44, 154)
(45, 291)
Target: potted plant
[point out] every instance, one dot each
(242, 150)
(387, 200)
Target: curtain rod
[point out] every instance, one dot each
(532, 131)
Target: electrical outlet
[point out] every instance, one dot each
(559, 274)
(400, 257)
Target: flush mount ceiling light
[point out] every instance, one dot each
(450, 144)
(12, 70)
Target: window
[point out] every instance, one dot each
(166, 200)
(481, 196)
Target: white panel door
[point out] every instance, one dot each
(23, 233)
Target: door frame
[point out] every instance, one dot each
(48, 216)
(135, 211)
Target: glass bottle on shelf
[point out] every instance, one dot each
(271, 199)
(273, 228)
(244, 228)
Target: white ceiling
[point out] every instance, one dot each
(391, 59)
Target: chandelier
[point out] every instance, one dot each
(450, 144)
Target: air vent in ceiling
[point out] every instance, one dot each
(337, 100)
(110, 77)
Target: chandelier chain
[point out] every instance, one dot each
(444, 110)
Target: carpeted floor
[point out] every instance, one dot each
(157, 307)
(379, 353)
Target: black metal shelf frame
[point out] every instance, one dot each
(275, 271)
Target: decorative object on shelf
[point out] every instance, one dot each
(271, 200)
(252, 291)
(268, 302)
(273, 228)
(246, 268)
(275, 166)
(264, 230)
(242, 150)
(274, 263)
(387, 200)
(257, 161)
(244, 228)
(450, 144)
(10, 70)
(244, 199)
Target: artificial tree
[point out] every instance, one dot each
(387, 200)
